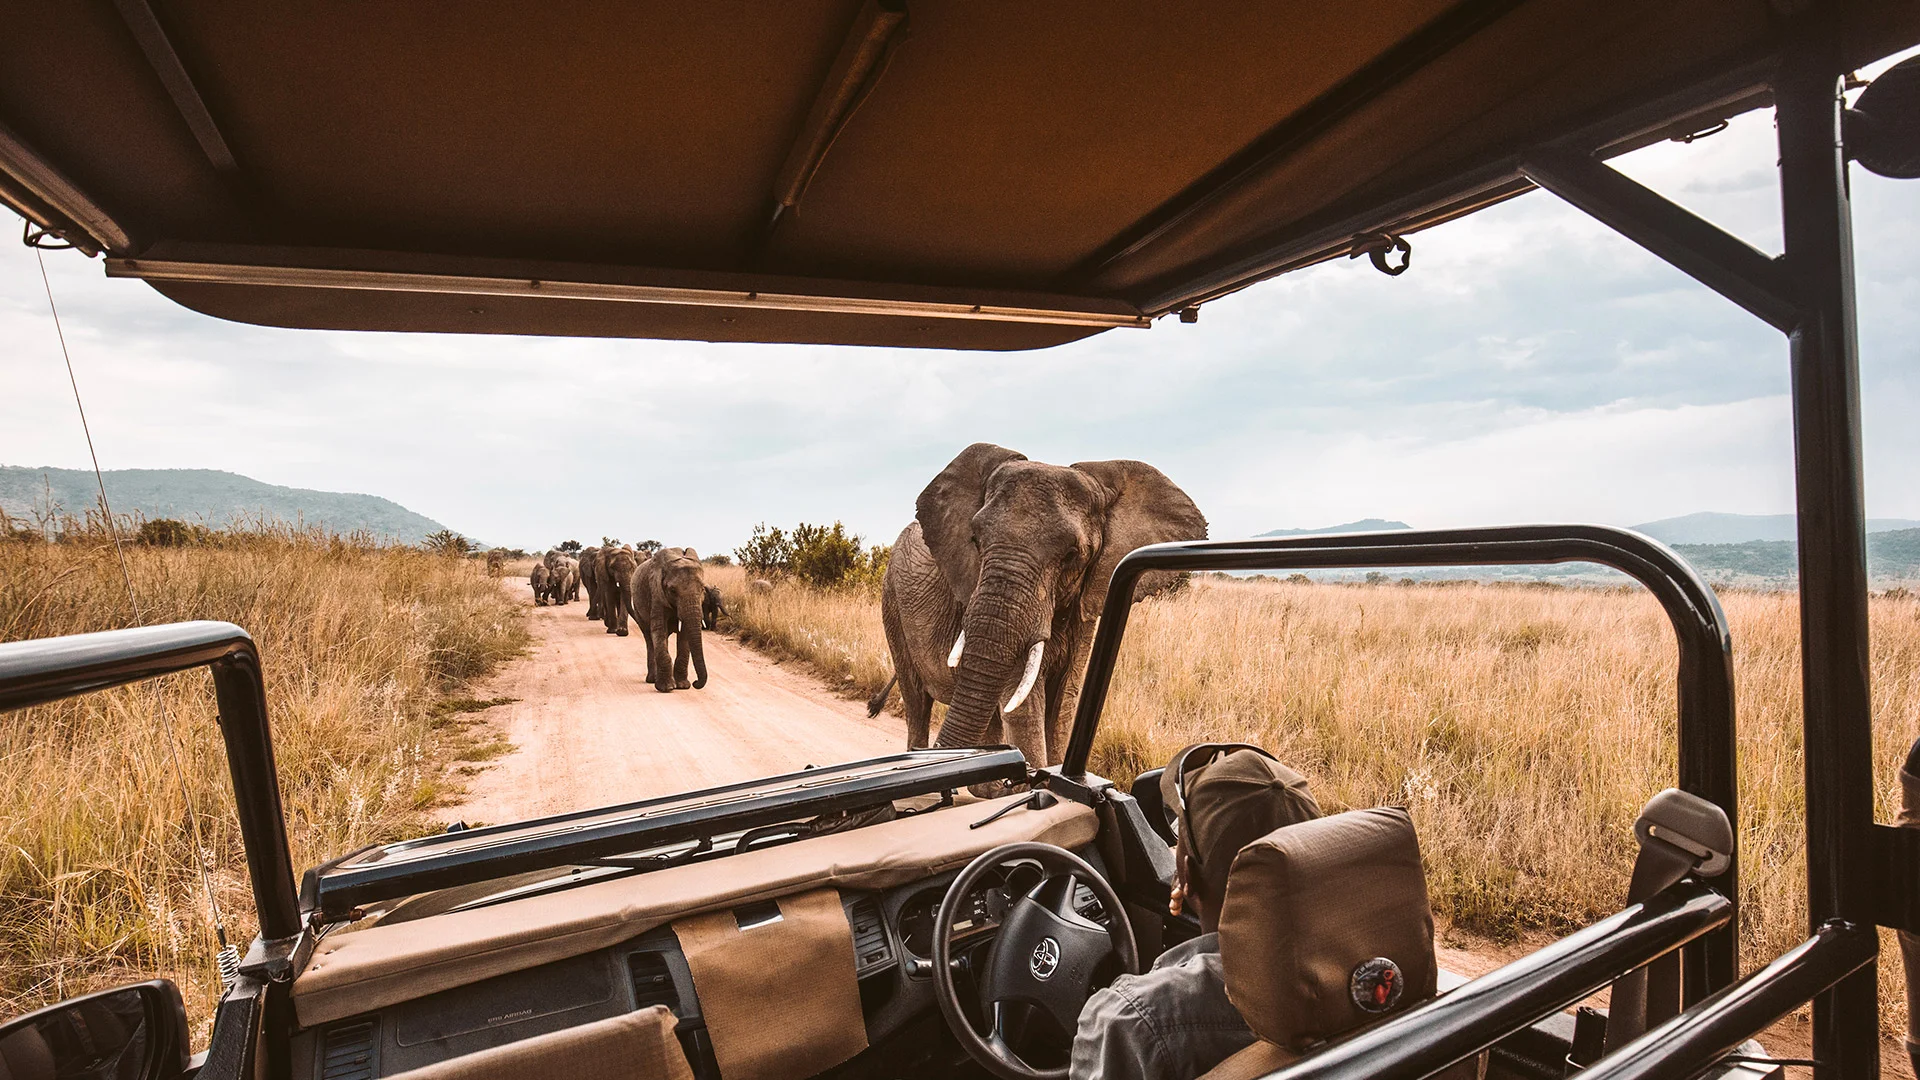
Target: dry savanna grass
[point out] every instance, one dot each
(98, 869)
(1523, 726)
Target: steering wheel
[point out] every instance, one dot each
(1044, 955)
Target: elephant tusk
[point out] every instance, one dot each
(959, 643)
(1026, 678)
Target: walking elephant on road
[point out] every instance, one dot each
(541, 579)
(991, 595)
(667, 593)
(712, 606)
(566, 581)
(617, 567)
(590, 579)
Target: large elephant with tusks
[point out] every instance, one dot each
(617, 567)
(667, 592)
(991, 596)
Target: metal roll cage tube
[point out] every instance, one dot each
(1707, 764)
(1695, 1040)
(37, 672)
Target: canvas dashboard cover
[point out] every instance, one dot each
(899, 172)
(368, 969)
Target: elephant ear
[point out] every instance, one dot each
(1146, 508)
(945, 511)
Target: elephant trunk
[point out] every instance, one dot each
(1002, 626)
(690, 643)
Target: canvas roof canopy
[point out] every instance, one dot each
(891, 172)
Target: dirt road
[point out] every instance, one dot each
(589, 731)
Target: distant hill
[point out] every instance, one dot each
(1711, 528)
(1892, 555)
(1363, 525)
(209, 497)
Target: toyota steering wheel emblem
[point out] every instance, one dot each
(1045, 959)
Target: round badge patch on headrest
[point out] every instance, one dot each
(1376, 985)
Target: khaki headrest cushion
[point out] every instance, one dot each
(1311, 904)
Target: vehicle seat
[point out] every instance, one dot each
(1325, 928)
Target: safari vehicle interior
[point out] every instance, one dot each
(943, 175)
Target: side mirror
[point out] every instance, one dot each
(1883, 127)
(136, 1032)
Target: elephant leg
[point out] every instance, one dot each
(662, 667)
(919, 707)
(1060, 721)
(682, 652)
(1026, 729)
(647, 636)
(620, 604)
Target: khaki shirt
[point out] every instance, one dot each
(1173, 1022)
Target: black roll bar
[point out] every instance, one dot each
(1705, 683)
(37, 672)
(1455, 1026)
(1688, 1044)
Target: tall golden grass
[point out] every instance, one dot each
(98, 870)
(1523, 726)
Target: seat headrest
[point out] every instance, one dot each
(1326, 926)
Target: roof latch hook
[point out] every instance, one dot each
(1378, 247)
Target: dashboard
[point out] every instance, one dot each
(893, 948)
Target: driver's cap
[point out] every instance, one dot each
(1225, 796)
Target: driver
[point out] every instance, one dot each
(1174, 1022)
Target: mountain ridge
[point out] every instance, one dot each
(213, 497)
(1362, 525)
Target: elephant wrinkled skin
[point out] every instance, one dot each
(668, 591)
(1018, 555)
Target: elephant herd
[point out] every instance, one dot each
(989, 601)
(555, 579)
(990, 598)
(664, 594)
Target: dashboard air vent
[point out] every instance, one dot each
(346, 1052)
(870, 948)
(652, 982)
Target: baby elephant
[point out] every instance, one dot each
(541, 579)
(711, 608)
(667, 594)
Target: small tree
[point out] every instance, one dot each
(647, 547)
(766, 552)
(447, 542)
(824, 556)
(571, 547)
(718, 560)
(168, 532)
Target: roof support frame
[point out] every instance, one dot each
(1835, 676)
(1330, 234)
(1692, 244)
(26, 176)
(1393, 67)
(165, 60)
(712, 291)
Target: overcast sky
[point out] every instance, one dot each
(1531, 366)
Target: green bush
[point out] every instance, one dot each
(168, 532)
(718, 560)
(820, 556)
